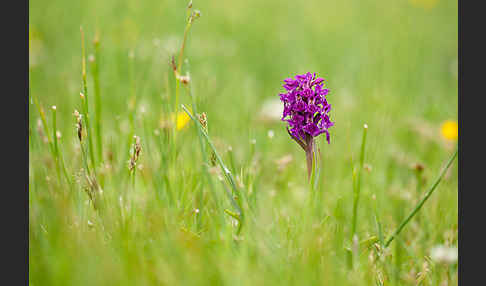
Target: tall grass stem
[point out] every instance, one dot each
(97, 98)
(357, 190)
(85, 103)
(358, 182)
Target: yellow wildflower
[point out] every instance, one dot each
(449, 130)
(182, 120)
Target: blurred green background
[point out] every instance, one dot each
(389, 64)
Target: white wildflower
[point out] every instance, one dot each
(444, 254)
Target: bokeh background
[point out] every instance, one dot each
(390, 64)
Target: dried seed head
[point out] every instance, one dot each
(423, 274)
(173, 63)
(418, 167)
(40, 130)
(79, 124)
(213, 159)
(368, 168)
(194, 15)
(185, 79)
(137, 148)
(203, 120)
(93, 190)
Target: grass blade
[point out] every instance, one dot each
(421, 203)
(224, 169)
(358, 184)
(84, 98)
(97, 97)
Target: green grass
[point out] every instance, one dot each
(212, 206)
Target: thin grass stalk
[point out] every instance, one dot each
(56, 149)
(177, 69)
(132, 176)
(132, 167)
(164, 162)
(133, 99)
(52, 145)
(84, 98)
(179, 60)
(44, 124)
(54, 130)
(97, 98)
(357, 190)
(379, 230)
(79, 130)
(199, 199)
(421, 203)
(225, 170)
(358, 182)
(64, 170)
(206, 164)
(60, 166)
(84, 157)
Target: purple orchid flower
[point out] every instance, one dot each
(306, 111)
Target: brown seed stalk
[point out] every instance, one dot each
(137, 148)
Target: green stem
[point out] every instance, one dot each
(312, 164)
(44, 124)
(225, 170)
(97, 98)
(178, 72)
(309, 157)
(424, 199)
(85, 102)
(357, 189)
(133, 178)
(54, 127)
(85, 158)
(358, 184)
(56, 149)
(205, 166)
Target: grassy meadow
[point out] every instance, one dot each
(126, 189)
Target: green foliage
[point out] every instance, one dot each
(389, 64)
